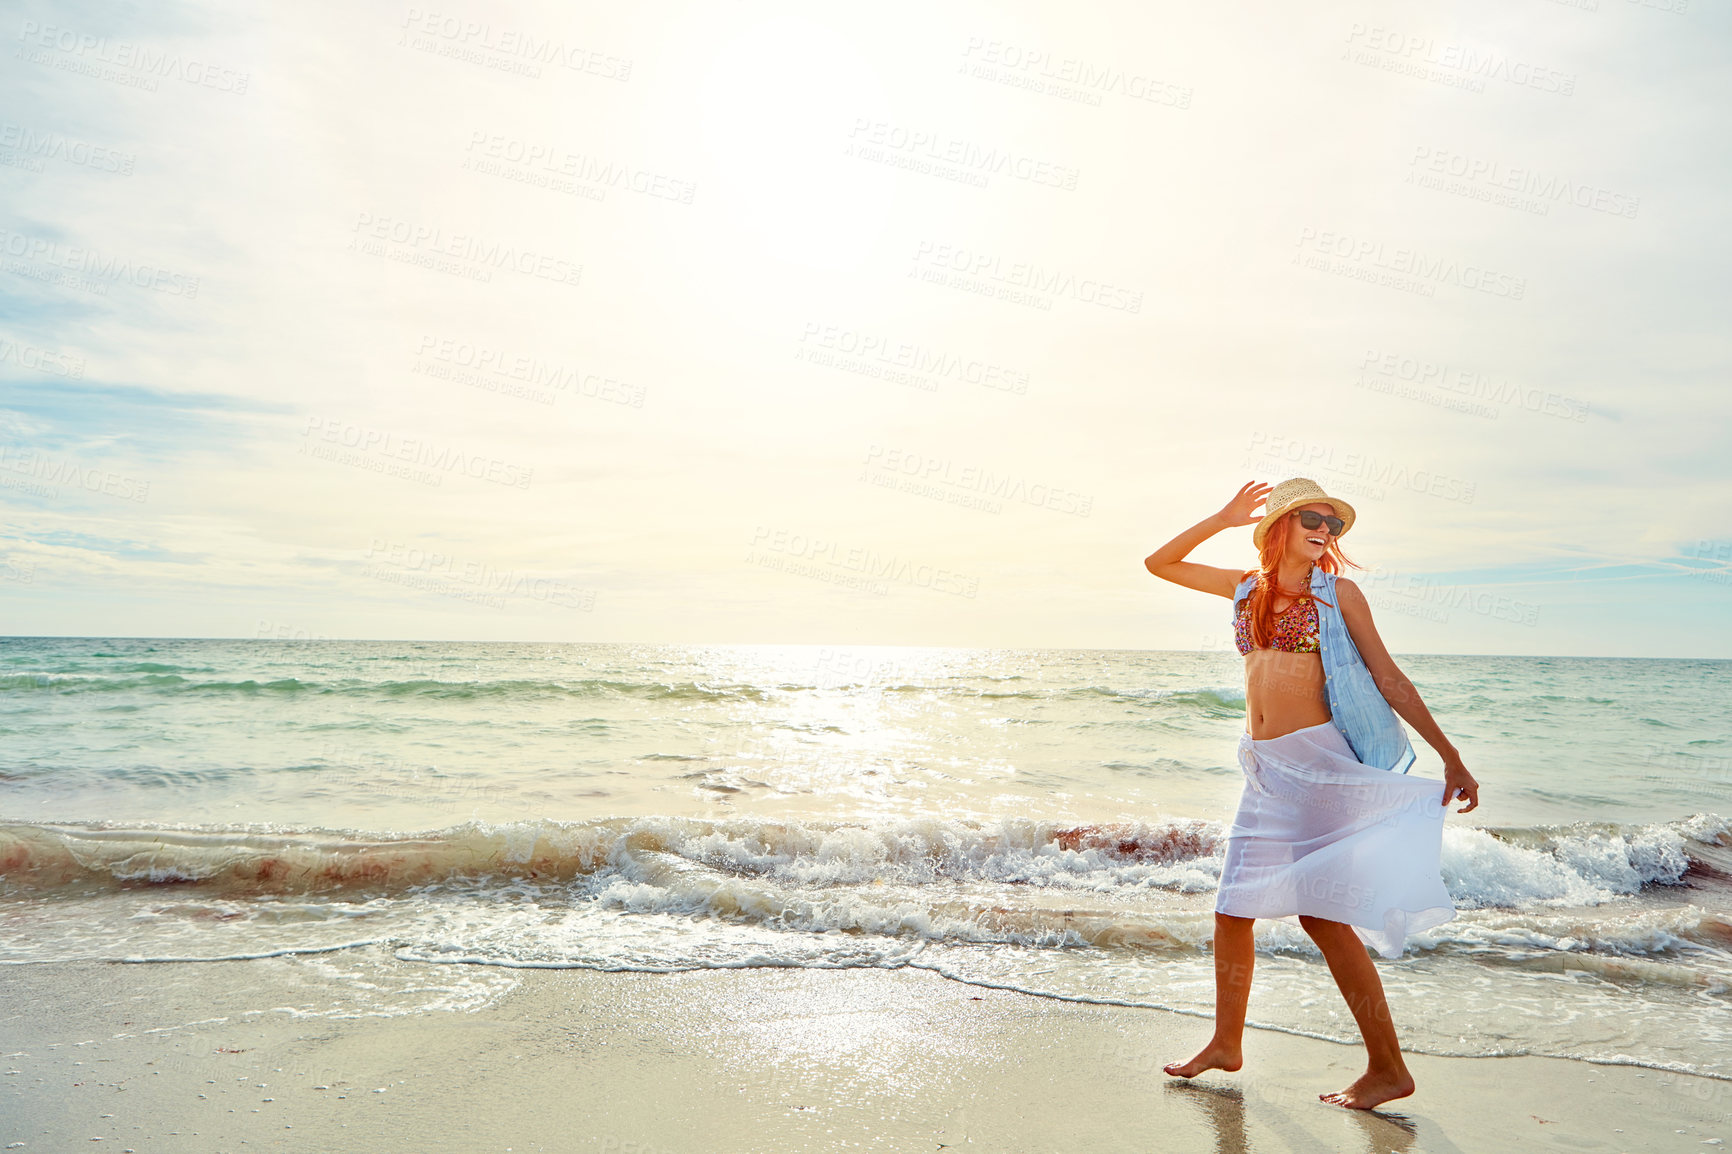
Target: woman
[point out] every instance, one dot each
(1328, 830)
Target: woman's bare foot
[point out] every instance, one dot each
(1215, 1056)
(1372, 1089)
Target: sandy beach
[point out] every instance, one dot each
(178, 1057)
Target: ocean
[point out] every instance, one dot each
(391, 828)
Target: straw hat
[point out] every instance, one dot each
(1288, 496)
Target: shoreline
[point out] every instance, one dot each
(180, 1056)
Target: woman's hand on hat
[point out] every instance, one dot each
(1241, 510)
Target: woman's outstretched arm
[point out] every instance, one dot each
(1400, 693)
(1169, 560)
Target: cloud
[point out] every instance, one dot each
(680, 275)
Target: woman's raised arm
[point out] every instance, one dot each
(1169, 562)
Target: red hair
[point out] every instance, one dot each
(1269, 559)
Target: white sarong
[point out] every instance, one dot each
(1319, 832)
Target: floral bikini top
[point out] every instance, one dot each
(1295, 628)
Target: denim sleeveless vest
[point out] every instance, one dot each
(1356, 705)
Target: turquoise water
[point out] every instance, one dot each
(383, 806)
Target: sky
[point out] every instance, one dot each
(770, 323)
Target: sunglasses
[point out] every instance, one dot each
(1313, 520)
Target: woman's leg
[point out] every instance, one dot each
(1234, 955)
(1355, 973)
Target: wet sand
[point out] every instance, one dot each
(194, 1057)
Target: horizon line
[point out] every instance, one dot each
(784, 645)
